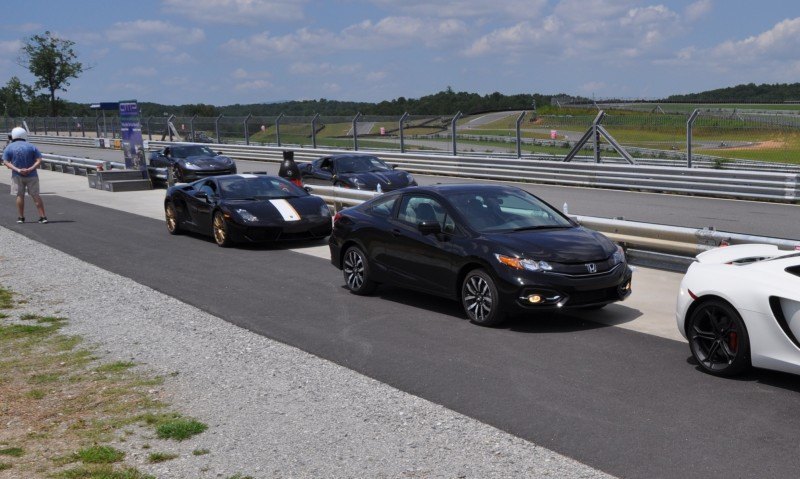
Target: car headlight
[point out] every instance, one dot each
(409, 178)
(358, 183)
(527, 264)
(188, 164)
(324, 210)
(246, 215)
(618, 256)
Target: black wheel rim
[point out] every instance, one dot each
(478, 298)
(715, 337)
(172, 221)
(220, 235)
(354, 270)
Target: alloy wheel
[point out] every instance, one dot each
(718, 339)
(172, 218)
(220, 230)
(354, 269)
(478, 298)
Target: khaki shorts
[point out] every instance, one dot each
(21, 183)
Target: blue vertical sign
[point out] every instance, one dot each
(131, 132)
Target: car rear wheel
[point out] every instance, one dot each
(480, 299)
(220, 230)
(173, 225)
(718, 338)
(356, 272)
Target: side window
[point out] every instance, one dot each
(383, 207)
(208, 187)
(417, 209)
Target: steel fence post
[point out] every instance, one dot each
(355, 131)
(216, 128)
(147, 125)
(246, 133)
(689, 128)
(314, 131)
(402, 132)
(191, 127)
(278, 128)
(453, 131)
(519, 135)
(82, 126)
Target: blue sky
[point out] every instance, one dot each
(249, 51)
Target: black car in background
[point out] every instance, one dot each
(361, 172)
(191, 162)
(497, 249)
(246, 208)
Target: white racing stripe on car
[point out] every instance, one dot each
(286, 210)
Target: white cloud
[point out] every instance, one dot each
(245, 12)
(152, 33)
(254, 85)
(143, 71)
(29, 27)
(324, 68)
(698, 10)
(10, 47)
(477, 9)
(602, 28)
(770, 56)
(331, 87)
(389, 32)
(242, 74)
(376, 76)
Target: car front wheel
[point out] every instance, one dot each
(356, 272)
(220, 230)
(718, 338)
(480, 299)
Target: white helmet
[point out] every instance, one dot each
(19, 134)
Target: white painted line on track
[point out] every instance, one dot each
(649, 310)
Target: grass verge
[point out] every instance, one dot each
(62, 408)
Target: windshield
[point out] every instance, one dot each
(258, 188)
(191, 150)
(360, 164)
(498, 211)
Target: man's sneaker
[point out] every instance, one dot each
(21, 219)
(43, 220)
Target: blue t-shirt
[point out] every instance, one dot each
(22, 155)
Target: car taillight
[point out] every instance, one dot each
(337, 217)
(297, 181)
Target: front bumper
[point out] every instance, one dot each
(307, 229)
(538, 291)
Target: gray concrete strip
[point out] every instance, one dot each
(649, 310)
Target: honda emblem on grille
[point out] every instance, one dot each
(591, 267)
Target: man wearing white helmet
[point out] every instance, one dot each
(23, 159)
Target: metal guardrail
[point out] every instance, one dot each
(661, 245)
(737, 184)
(78, 166)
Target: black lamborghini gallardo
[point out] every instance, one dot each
(246, 208)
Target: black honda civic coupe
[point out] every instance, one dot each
(497, 249)
(246, 208)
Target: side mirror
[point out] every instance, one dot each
(201, 195)
(393, 166)
(219, 153)
(308, 189)
(429, 227)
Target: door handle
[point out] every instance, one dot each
(397, 233)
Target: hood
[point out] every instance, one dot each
(569, 245)
(389, 180)
(267, 211)
(207, 162)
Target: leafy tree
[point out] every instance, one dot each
(53, 62)
(16, 98)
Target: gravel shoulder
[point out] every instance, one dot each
(273, 410)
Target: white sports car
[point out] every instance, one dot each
(739, 306)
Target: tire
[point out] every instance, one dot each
(356, 271)
(219, 230)
(718, 338)
(173, 223)
(177, 174)
(480, 299)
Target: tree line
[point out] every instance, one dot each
(745, 93)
